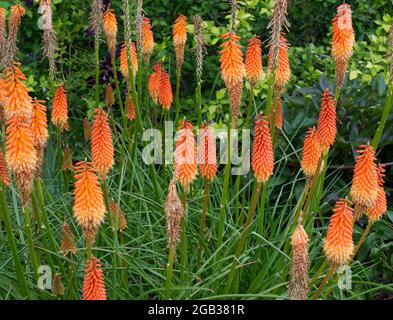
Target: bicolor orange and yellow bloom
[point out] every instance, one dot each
(231, 59)
(124, 62)
(232, 70)
(93, 282)
(21, 155)
(342, 41)
(207, 152)
(283, 69)
(311, 153)
(253, 61)
(101, 143)
(20, 152)
(60, 109)
(338, 245)
(89, 208)
(110, 28)
(16, 95)
(180, 39)
(39, 124)
(364, 190)
(262, 151)
(380, 207)
(327, 128)
(186, 164)
(147, 39)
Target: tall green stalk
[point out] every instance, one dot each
(169, 272)
(385, 114)
(183, 241)
(203, 222)
(97, 58)
(177, 95)
(30, 241)
(220, 233)
(243, 237)
(12, 243)
(199, 102)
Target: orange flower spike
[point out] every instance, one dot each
(20, 154)
(343, 36)
(343, 40)
(101, 143)
(154, 82)
(180, 39)
(338, 244)
(124, 61)
(60, 109)
(93, 283)
(207, 153)
(283, 69)
(131, 110)
(4, 176)
(165, 96)
(16, 95)
(312, 153)
(254, 69)
(186, 166)
(327, 127)
(364, 190)
(180, 31)
(380, 207)
(89, 208)
(147, 39)
(16, 12)
(39, 124)
(110, 28)
(262, 151)
(231, 58)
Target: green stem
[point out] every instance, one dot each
(323, 283)
(385, 114)
(46, 225)
(97, 58)
(199, 102)
(261, 213)
(169, 272)
(30, 241)
(118, 92)
(177, 97)
(243, 238)
(220, 233)
(41, 228)
(183, 248)
(203, 222)
(249, 107)
(12, 243)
